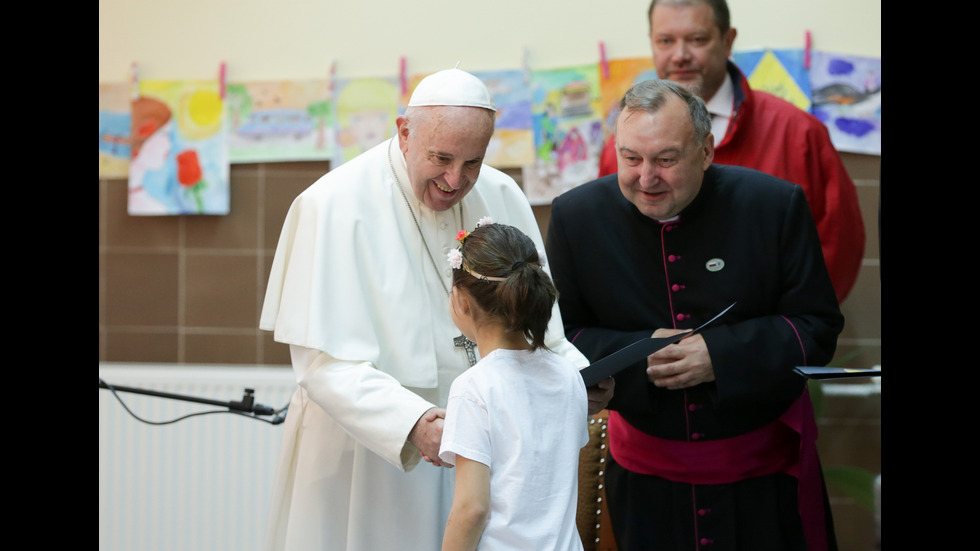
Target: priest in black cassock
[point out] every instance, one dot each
(712, 439)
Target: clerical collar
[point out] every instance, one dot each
(720, 106)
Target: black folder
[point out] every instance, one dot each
(624, 357)
(835, 372)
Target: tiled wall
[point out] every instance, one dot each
(189, 290)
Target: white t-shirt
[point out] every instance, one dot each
(525, 415)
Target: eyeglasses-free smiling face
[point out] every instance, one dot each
(444, 149)
(661, 166)
(688, 48)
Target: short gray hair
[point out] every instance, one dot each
(651, 95)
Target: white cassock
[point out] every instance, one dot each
(354, 292)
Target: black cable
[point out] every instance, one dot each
(275, 421)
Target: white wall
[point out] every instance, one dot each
(299, 39)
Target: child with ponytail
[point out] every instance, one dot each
(515, 421)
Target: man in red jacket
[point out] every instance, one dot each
(692, 41)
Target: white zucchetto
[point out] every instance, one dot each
(452, 87)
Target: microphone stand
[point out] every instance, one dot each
(246, 405)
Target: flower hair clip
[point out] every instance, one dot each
(455, 259)
(461, 235)
(455, 256)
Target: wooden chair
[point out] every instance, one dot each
(592, 517)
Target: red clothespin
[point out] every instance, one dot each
(603, 62)
(806, 51)
(222, 80)
(403, 75)
(332, 80)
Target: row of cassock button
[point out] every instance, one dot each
(676, 287)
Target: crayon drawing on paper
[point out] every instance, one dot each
(512, 144)
(366, 109)
(114, 128)
(568, 136)
(623, 74)
(847, 98)
(280, 121)
(782, 73)
(179, 155)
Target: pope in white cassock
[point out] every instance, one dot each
(359, 289)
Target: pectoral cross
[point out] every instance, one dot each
(462, 341)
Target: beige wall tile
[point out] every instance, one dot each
(280, 185)
(862, 308)
(141, 289)
(868, 197)
(212, 348)
(220, 290)
(862, 167)
(123, 230)
(132, 346)
(239, 229)
(273, 353)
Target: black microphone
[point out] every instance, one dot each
(248, 404)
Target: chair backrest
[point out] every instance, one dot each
(592, 517)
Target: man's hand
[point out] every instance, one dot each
(426, 435)
(600, 395)
(681, 365)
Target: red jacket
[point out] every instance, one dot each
(772, 135)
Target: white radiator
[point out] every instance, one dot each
(200, 484)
